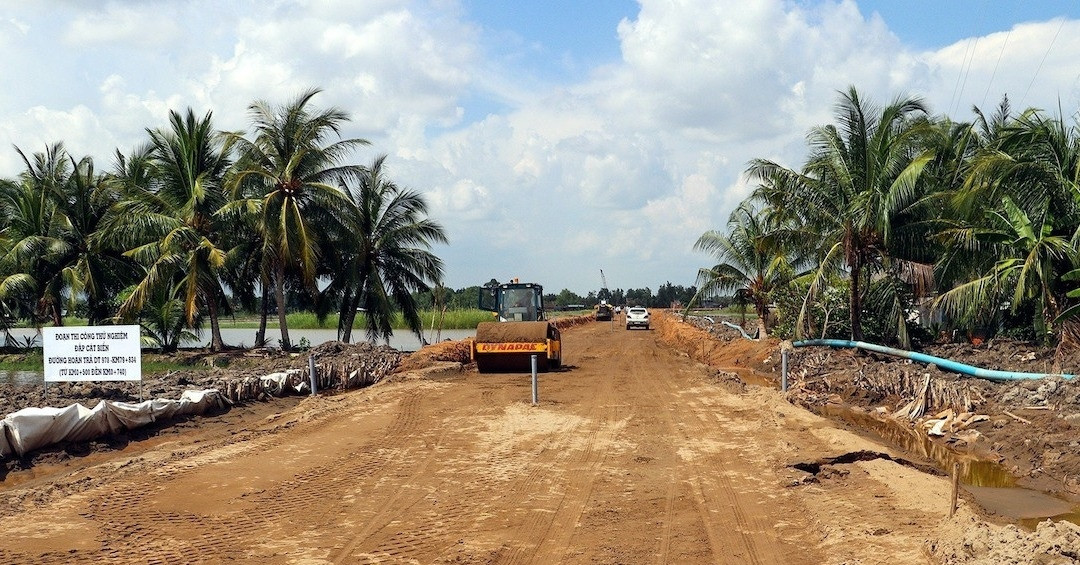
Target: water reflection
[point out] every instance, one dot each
(234, 337)
(21, 378)
(990, 483)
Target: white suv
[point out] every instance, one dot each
(637, 316)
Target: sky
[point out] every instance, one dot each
(551, 139)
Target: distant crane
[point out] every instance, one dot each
(605, 294)
(604, 311)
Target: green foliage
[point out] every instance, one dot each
(890, 205)
(164, 325)
(383, 257)
(827, 315)
(452, 319)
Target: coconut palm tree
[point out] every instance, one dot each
(163, 319)
(1019, 224)
(168, 224)
(51, 212)
(1029, 262)
(383, 254)
(89, 269)
(862, 174)
(750, 263)
(286, 177)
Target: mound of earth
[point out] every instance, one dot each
(1032, 427)
(1029, 426)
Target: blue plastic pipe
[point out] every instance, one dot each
(736, 327)
(946, 364)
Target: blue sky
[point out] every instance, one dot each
(551, 139)
(928, 24)
(559, 37)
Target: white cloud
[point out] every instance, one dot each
(541, 180)
(1034, 63)
(143, 26)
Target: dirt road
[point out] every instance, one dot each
(635, 454)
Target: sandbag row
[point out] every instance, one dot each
(33, 428)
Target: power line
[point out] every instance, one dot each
(1039, 68)
(965, 66)
(998, 63)
(954, 100)
(966, 74)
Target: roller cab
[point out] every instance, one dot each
(520, 332)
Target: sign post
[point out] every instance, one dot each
(92, 353)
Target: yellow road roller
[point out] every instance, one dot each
(522, 330)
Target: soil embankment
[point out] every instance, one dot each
(635, 454)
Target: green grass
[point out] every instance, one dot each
(157, 366)
(464, 319)
(32, 361)
(729, 312)
(29, 361)
(451, 320)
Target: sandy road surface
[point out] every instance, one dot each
(634, 455)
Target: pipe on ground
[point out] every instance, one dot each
(737, 327)
(946, 364)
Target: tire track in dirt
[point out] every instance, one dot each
(630, 458)
(653, 389)
(431, 524)
(133, 529)
(582, 468)
(540, 487)
(621, 482)
(738, 528)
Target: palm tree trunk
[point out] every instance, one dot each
(57, 313)
(216, 343)
(264, 312)
(348, 317)
(762, 311)
(855, 303)
(279, 296)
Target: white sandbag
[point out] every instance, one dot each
(34, 428)
(5, 446)
(275, 383)
(201, 401)
(133, 415)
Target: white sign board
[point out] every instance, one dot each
(92, 353)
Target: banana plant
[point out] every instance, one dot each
(1030, 256)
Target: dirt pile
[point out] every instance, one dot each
(720, 347)
(1029, 426)
(1032, 427)
(459, 351)
(442, 352)
(1052, 543)
(237, 373)
(566, 322)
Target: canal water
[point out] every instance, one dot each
(992, 486)
(402, 340)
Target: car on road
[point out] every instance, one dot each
(637, 316)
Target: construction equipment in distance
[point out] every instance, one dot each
(604, 311)
(522, 330)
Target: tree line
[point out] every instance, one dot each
(196, 221)
(902, 226)
(666, 296)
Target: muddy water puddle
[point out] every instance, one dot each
(992, 486)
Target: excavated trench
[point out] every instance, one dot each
(989, 483)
